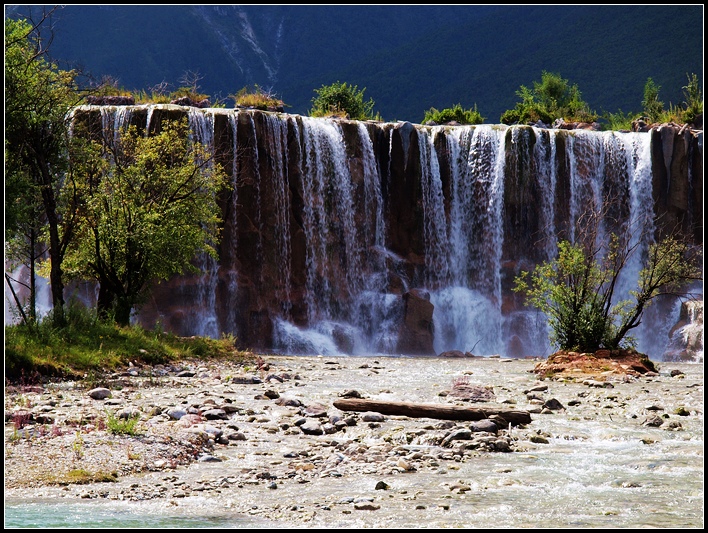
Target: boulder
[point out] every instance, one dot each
(416, 332)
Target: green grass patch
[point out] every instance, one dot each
(88, 344)
(81, 476)
(122, 426)
(257, 98)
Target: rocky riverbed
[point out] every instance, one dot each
(263, 440)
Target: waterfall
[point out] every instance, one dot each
(436, 241)
(468, 298)
(276, 132)
(203, 316)
(114, 121)
(232, 309)
(329, 208)
(654, 331)
(334, 277)
(336, 223)
(546, 168)
(148, 119)
(375, 310)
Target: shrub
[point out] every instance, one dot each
(576, 290)
(455, 113)
(343, 100)
(550, 99)
(619, 121)
(694, 99)
(257, 98)
(652, 107)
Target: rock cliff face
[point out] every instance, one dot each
(363, 237)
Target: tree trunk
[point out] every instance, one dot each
(439, 411)
(122, 310)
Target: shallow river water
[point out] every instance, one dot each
(601, 466)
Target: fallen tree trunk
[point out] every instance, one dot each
(439, 411)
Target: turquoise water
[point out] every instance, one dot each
(44, 514)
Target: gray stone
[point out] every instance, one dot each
(312, 427)
(370, 416)
(553, 405)
(99, 393)
(457, 434)
(215, 414)
(485, 425)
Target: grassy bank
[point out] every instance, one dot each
(88, 344)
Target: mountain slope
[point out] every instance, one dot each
(409, 58)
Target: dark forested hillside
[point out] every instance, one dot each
(409, 58)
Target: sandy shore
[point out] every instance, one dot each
(265, 441)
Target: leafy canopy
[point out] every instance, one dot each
(342, 100)
(149, 208)
(38, 98)
(577, 289)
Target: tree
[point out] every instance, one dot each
(148, 207)
(551, 98)
(577, 290)
(38, 98)
(342, 99)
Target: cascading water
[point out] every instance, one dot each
(375, 310)
(277, 141)
(347, 304)
(546, 168)
(114, 121)
(467, 295)
(585, 155)
(231, 303)
(435, 227)
(333, 283)
(203, 316)
(330, 227)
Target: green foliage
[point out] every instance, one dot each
(652, 107)
(550, 99)
(694, 99)
(38, 97)
(691, 108)
(341, 99)
(149, 207)
(576, 289)
(122, 426)
(257, 98)
(81, 476)
(455, 113)
(619, 121)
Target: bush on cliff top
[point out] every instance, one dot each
(343, 100)
(455, 113)
(550, 99)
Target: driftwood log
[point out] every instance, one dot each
(428, 410)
